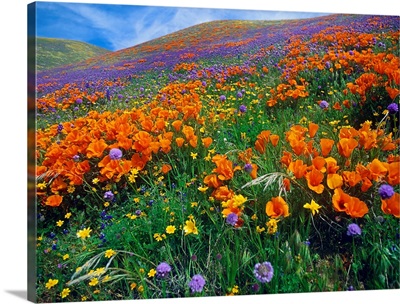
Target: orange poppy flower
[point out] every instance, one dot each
(277, 207)
(286, 183)
(139, 161)
(319, 163)
(165, 168)
(346, 103)
(54, 200)
(314, 180)
(177, 125)
(351, 178)
(339, 200)
(298, 146)
(377, 169)
(392, 205)
(298, 168)
(212, 181)
(356, 207)
(207, 141)
(346, 146)
(286, 159)
(96, 148)
(223, 193)
(393, 176)
(366, 184)
(334, 181)
(224, 167)
(253, 173)
(274, 139)
(312, 129)
(337, 106)
(179, 141)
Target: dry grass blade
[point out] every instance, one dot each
(269, 179)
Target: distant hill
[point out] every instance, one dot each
(53, 52)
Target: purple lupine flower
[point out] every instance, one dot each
(222, 98)
(232, 219)
(263, 272)
(386, 191)
(323, 104)
(393, 108)
(242, 108)
(248, 168)
(353, 230)
(163, 270)
(115, 153)
(108, 94)
(109, 196)
(197, 283)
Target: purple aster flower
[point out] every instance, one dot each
(197, 283)
(393, 108)
(386, 191)
(78, 101)
(115, 153)
(242, 108)
(163, 270)
(109, 195)
(263, 272)
(353, 230)
(239, 95)
(248, 168)
(255, 287)
(323, 104)
(222, 98)
(328, 65)
(232, 219)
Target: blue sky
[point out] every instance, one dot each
(116, 27)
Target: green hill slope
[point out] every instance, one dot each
(53, 52)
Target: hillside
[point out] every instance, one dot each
(228, 158)
(53, 52)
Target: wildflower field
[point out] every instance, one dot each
(229, 158)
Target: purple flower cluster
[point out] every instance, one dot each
(242, 108)
(386, 191)
(353, 230)
(232, 219)
(197, 283)
(248, 168)
(323, 104)
(393, 108)
(115, 154)
(108, 195)
(163, 270)
(263, 272)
